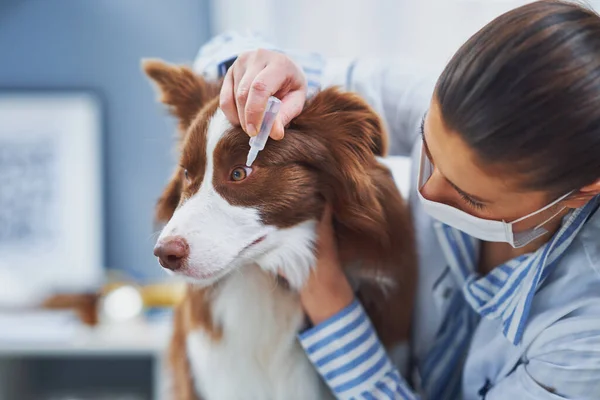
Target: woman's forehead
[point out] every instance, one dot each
(460, 165)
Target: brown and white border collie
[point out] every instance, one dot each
(231, 229)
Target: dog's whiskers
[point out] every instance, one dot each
(154, 235)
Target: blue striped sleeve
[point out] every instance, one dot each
(347, 353)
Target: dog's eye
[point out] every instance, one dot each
(186, 174)
(240, 173)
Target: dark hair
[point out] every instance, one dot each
(524, 93)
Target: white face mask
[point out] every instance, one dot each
(483, 229)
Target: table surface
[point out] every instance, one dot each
(131, 339)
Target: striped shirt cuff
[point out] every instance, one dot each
(347, 353)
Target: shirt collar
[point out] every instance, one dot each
(507, 291)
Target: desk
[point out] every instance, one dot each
(118, 362)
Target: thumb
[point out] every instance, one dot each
(291, 106)
(278, 131)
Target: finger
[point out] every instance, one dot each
(278, 131)
(238, 74)
(243, 91)
(291, 106)
(268, 82)
(325, 224)
(326, 242)
(327, 215)
(227, 99)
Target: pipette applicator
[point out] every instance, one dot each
(257, 143)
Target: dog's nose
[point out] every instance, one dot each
(172, 252)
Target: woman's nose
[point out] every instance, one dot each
(436, 188)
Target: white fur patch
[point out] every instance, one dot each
(258, 356)
(293, 254)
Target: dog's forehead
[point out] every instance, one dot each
(202, 138)
(218, 125)
(215, 147)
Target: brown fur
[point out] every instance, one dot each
(327, 156)
(169, 200)
(181, 90)
(192, 313)
(182, 385)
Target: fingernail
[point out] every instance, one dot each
(251, 130)
(278, 131)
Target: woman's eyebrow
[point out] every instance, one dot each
(428, 153)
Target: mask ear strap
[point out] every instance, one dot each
(549, 219)
(555, 202)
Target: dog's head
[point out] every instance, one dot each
(223, 215)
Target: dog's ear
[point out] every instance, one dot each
(184, 92)
(346, 114)
(169, 200)
(387, 276)
(340, 135)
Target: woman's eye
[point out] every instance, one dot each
(240, 173)
(476, 205)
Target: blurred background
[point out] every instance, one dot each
(85, 151)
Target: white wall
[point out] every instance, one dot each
(429, 31)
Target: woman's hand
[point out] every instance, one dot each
(255, 76)
(327, 290)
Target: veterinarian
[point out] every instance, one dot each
(506, 187)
